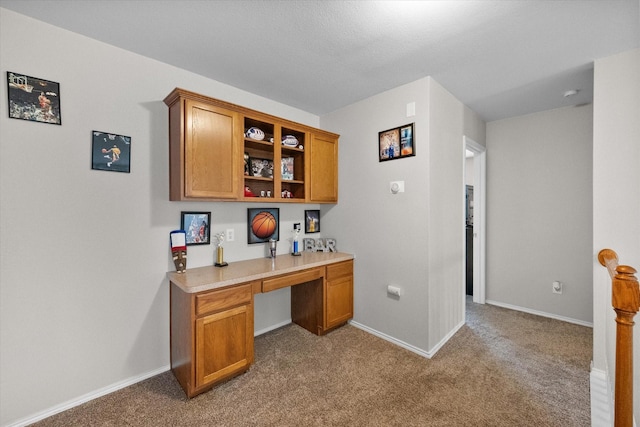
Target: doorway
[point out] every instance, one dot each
(478, 234)
(468, 222)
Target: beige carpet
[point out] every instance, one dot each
(503, 368)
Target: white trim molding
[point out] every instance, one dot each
(540, 313)
(87, 397)
(272, 328)
(427, 354)
(480, 218)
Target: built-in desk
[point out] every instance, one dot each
(212, 310)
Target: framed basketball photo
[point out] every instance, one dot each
(33, 99)
(312, 221)
(110, 152)
(263, 224)
(197, 227)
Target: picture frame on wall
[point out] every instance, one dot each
(263, 224)
(312, 221)
(261, 167)
(197, 226)
(110, 152)
(396, 143)
(287, 168)
(33, 99)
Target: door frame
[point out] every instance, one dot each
(479, 218)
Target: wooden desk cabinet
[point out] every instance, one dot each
(212, 322)
(321, 305)
(338, 294)
(211, 336)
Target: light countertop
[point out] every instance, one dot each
(210, 277)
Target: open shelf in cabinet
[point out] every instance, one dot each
(259, 159)
(275, 165)
(292, 159)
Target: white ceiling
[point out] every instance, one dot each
(500, 58)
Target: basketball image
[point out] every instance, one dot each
(263, 225)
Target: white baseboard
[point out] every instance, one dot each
(109, 389)
(601, 405)
(271, 328)
(428, 354)
(393, 340)
(87, 397)
(540, 313)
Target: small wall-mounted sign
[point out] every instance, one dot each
(320, 245)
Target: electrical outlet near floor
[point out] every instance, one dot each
(556, 287)
(230, 234)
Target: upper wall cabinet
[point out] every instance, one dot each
(220, 151)
(323, 168)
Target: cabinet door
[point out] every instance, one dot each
(323, 169)
(224, 344)
(210, 152)
(339, 305)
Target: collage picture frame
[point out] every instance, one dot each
(396, 143)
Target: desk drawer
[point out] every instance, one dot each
(340, 269)
(291, 279)
(208, 302)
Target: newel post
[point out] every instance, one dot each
(625, 299)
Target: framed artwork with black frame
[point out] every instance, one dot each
(261, 167)
(396, 143)
(263, 224)
(110, 152)
(312, 221)
(197, 226)
(33, 99)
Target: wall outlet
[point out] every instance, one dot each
(556, 287)
(231, 235)
(394, 290)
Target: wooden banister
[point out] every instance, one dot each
(625, 299)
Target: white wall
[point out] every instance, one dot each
(468, 171)
(84, 299)
(539, 217)
(616, 205)
(393, 236)
(386, 232)
(445, 214)
(474, 127)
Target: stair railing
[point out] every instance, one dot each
(625, 299)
